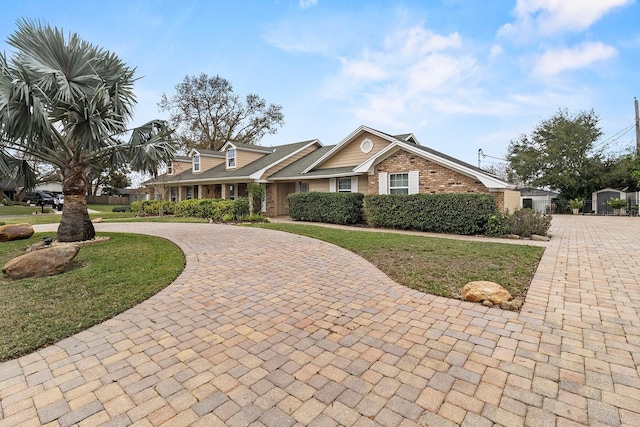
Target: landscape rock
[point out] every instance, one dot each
(45, 262)
(485, 291)
(487, 303)
(15, 232)
(97, 220)
(539, 238)
(512, 236)
(513, 305)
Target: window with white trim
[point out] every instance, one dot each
(304, 187)
(398, 183)
(231, 158)
(196, 163)
(344, 185)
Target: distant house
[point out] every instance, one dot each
(537, 199)
(366, 161)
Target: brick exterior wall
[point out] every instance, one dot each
(433, 178)
(270, 200)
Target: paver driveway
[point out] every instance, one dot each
(267, 328)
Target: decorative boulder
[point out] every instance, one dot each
(539, 238)
(15, 232)
(485, 291)
(45, 262)
(97, 220)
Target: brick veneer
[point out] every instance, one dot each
(433, 178)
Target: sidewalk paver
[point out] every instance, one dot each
(269, 328)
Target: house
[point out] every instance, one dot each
(537, 199)
(366, 161)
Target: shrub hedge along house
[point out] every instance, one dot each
(366, 161)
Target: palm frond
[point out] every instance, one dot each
(151, 145)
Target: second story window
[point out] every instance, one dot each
(231, 158)
(196, 163)
(170, 169)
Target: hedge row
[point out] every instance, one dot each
(438, 213)
(334, 208)
(152, 207)
(217, 209)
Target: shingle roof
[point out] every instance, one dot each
(251, 147)
(220, 172)
(295, 169)
(535, 192)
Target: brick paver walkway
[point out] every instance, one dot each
(267, 328)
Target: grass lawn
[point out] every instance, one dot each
(104, 279)
(19, 210)
(433, 265)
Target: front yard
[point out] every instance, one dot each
(435, 266)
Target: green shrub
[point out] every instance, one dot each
(257, 218)
(334, 208)
(227, 217)
(525, 222)
(216, 209)
(438, 213)
(498, 225)
(121, 209)
(152, 207)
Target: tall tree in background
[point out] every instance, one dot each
(67, 102)
(559, 154)
(207, 114)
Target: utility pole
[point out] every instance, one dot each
(480, 153)
(635, 101)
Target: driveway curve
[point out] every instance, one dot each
(268, 328)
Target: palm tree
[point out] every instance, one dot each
(67, 102)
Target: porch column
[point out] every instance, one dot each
(223, 191)
(182, 193)
(200, 191)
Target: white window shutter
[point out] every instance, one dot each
(332, 185)
(354, 184)
(383, 183)
(414, 180)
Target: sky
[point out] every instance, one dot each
(461, 75)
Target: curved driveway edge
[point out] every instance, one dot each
(268, 328)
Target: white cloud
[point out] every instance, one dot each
(393, 83)
(306, 4)
(547, 17)
(558, 60)
(496, 51)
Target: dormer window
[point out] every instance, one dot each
(196, 163)
(231, 158)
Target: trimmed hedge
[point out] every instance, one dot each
(217, 209)
(438, 213)
(152, 207)
(334, 208)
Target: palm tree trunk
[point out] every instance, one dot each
(75, 225)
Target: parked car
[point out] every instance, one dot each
(39, 197)
(58, 201)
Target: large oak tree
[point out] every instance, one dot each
(560, 154)
(67, 102)
(206, 113)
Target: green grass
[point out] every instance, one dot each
(19, 210)
(103, 280)
(436, 266)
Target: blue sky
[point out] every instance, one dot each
(462, 75)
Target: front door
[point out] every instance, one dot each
(284, 189)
